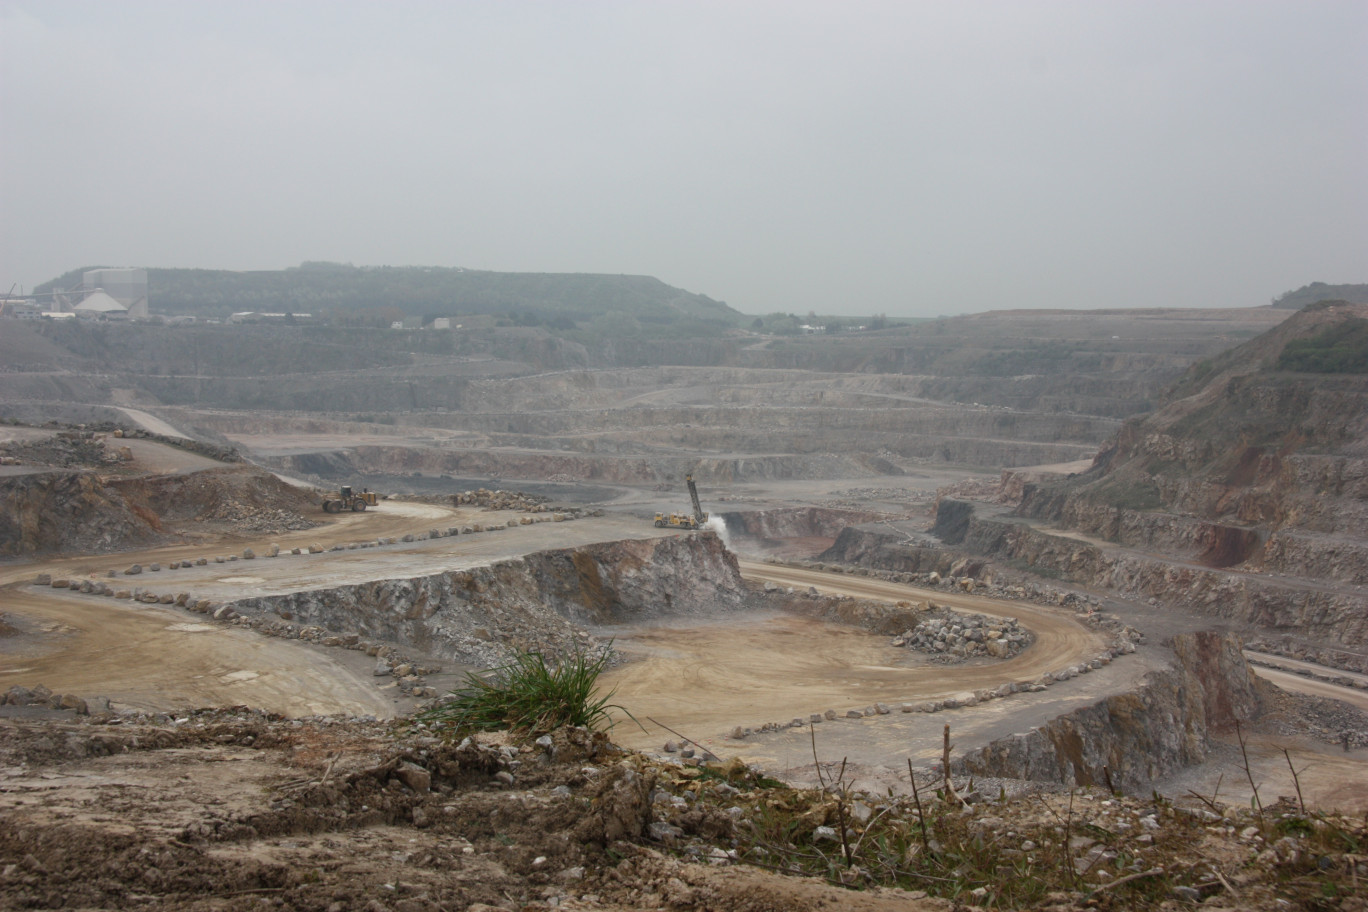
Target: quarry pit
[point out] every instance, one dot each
(194, 578)
(740, 658)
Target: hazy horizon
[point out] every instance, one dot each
(907, 158)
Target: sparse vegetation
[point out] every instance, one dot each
(1340, 349)
(377, 296)
(530, 696)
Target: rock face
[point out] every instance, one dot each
(1247, 463)
(1245, 496)
(877, 548)
(1322, 615)
(65, 510)
(816, 522)
(1139, 737)
(483, 615)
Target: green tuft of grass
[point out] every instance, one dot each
(530, 695)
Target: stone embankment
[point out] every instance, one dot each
(96, 445)
(1312, 616)
(543, 601)
(41, 696)
(1130, 740)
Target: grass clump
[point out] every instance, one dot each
(530, 695)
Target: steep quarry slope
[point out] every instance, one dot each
(539, 602)
(65, 510)
(1242, 497)
(1244, 464)
(1131, 740)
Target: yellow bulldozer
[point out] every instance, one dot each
(346, 500)
(694, 520)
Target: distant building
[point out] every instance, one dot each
(441, 323)
(20, 309)
(100, 306)
(127, 286)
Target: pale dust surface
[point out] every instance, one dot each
(147, 657)
(702, 679)
(152, 657)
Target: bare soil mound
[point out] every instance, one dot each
(238, 809)
(53, 511)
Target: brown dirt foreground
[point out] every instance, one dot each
(237, 809)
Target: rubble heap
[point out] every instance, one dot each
(954, 637)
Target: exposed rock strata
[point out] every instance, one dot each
(1246, 464)
(1316, 615)
(64, 510)
(542, 601)
(805, 522)
(1134, 739)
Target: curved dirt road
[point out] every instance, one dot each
(157, 657)
(151, 656)
(705, 678)
(1060, 640)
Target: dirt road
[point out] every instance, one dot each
(703, 679)
(151, 423)
(149, 656)
(392, 519)
(1295, 682)
(153, 657)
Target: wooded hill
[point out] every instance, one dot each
(379, 294)
(1319, 291)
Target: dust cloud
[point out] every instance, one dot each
(719, 525)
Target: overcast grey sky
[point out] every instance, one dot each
(913, 158)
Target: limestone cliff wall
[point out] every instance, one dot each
(881, 550)
(803, 522)
(1136, 738)
(542, 601)
(1319, 617)
(1312, 612)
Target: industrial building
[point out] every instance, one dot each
(126, 286)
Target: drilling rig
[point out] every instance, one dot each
(693, 520)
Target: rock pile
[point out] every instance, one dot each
(44, 697)
(250, 518)
(954, 637)
(500, 500)
(65, 449)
